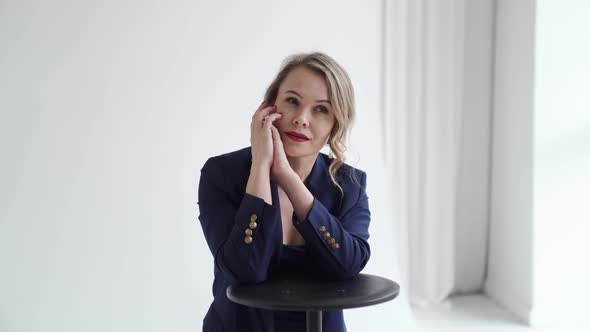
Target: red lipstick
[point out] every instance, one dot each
(297, 137)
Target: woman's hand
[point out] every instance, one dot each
(261, 135)
(281, 172)
(280, 169)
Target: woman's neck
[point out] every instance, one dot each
(302, 165)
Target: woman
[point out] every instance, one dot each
(281, 205)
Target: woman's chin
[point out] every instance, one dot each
(298, 153)
(293, 152)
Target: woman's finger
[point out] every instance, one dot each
(276, 136)
(262, 106)
(268, 120)
(263, 115)
(277, 143)
(258, 116)
(266, 111)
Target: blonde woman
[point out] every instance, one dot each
(282, 205)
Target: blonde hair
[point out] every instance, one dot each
(340, 92)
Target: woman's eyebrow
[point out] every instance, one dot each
(300, 96)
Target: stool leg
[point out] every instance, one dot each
(314, 321)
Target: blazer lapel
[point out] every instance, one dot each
(320, 185)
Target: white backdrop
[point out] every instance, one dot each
(108, 111)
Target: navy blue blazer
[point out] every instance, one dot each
(226, 211)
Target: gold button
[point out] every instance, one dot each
(327, 235)
(253, 217)
(322, 229)
(248, 239)
(335, 246)
(253, 225)
(332, 240)
(248, 232)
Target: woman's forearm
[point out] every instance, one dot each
(259, 183)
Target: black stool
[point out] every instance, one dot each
(297, 292)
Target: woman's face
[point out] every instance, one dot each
(308, 117)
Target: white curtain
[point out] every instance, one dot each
(436, 108)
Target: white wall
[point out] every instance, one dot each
(562, 163)
(509, 274)
(109, 110)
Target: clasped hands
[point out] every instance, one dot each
(268, 152)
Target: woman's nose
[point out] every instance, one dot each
(301, 120)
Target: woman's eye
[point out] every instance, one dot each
(292, 101)
(322, 109)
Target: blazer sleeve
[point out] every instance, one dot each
(338, 246)
(225, 222)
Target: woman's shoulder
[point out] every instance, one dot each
(237, 156)
(234, 163)
(228, 171)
